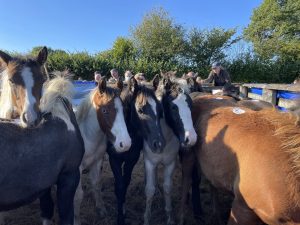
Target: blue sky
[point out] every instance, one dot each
(90, 25)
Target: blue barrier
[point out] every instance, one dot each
(257, 91)
(288, 95)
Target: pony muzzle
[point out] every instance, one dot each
(122, 145)
(190, 138)
(30, 119)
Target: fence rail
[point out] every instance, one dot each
(283, 96)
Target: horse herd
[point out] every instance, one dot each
(242, 147)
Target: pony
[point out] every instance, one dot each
(35, 159)
(178, 130)
(255, 156)
(100, 118)
(143, 113)
(21, 83)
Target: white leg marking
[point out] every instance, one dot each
(150, 189)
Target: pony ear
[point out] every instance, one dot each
(133, 85)
(5, 57)
(155, 81)
(42, 56)
(120, 84)
(102, 85)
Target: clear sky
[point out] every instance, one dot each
(93, 25)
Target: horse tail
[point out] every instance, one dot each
(59, 86)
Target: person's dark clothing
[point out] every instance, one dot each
(218, 80)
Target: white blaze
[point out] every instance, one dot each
(30, 100)
(186, 117)
(119, 129)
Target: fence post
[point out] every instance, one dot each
(269, 96)
(243, 91)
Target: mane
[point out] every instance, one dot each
(288, 130)
(144, 93)
(6, 104)
(59, 86)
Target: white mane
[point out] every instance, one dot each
(50, 102)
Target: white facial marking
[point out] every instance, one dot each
(30, 100)
(152, 102)
(186, 117)
(119, 129)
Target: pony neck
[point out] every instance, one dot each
(88, 122)
(6, 100)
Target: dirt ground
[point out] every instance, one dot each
(135, 205)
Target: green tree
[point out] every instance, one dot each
(206, 46)
(158, 38)
(275, 29)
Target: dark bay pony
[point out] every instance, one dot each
(178, 131)
(254, 155)
(34, 159)
(143, 113)
(101, 119)
(21, 83)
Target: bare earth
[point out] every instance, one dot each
(135, 205)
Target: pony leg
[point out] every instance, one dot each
(95, 177)
(188, 159)
(47, 207)
(116, 167)
(241, 214)
(66, 188)
(168, 182)
(77, 203)
(150, 189)
(196, 179)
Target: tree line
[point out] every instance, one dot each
(158, 43)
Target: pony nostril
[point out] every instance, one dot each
(24, 117)
(186, 141)
(121, 144)
(156, 144)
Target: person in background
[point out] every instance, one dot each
(97, 76)
(127, 75)
(218, 75)
(114, 76)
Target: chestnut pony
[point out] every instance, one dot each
(254, 155)
(21, 83)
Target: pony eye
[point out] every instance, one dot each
(104, 111)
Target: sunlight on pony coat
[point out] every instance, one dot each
(7, 107)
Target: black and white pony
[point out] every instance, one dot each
(33, 160)
(143, 113)
(178, 131)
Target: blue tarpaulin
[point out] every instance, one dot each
(288, 95)
(257, 91)
(82, 88)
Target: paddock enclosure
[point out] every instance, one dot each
(135, 200)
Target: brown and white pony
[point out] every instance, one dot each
(100, 118)
(21, 83)
(254, 155)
